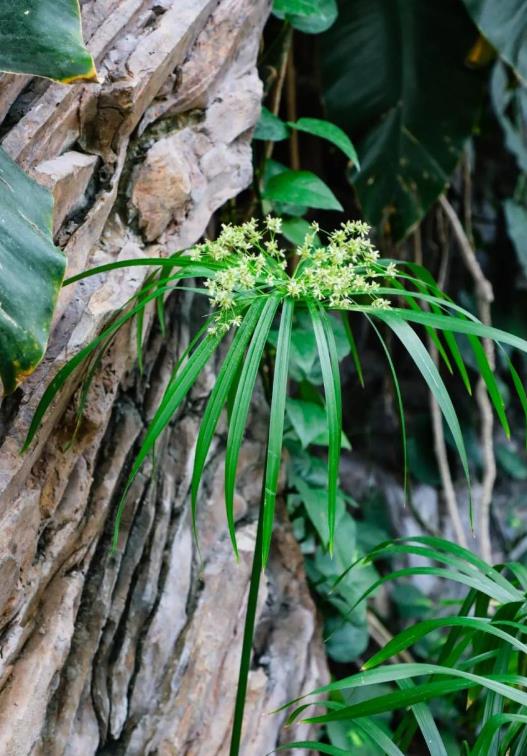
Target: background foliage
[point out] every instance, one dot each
(433, 97)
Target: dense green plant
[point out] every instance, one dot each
(40, 37)
(292, 307)
(250, 285)
(475, 657)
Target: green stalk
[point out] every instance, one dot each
(248, 632)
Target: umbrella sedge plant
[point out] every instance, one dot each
(247, 277)
(481, 656)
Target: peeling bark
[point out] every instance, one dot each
(136, 652)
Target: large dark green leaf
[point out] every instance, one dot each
(41, 37)
(44, 38)
(31, 272)
(504, 24)
(395, 75)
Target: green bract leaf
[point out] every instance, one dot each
(270, 128)
(503, 24)
(394, 73)
(327, 352)
(240, 408)
(31, 272)
(301, 188)
(428, 370)
(44, 38)
(218, 397)
(330, 132)
(309, 16)
(276, 424)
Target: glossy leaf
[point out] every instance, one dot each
(44, 38)
(31, 272)
(301, 188)
(331, 133)
(395, 75)
(309, 16)
(503, 24)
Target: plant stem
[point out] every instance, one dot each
(248, 634)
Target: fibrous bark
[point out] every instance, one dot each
(136, 651)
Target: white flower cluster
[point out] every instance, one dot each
(250, 263)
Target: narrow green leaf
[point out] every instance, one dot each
(327, 351)
(218, 397)
(377, 735)
(353, 347)
(313, 745)
(430, 373)
(276, 424)
(487, 374)
(501, 684)
(241, 405)
(400, 699)
(449, 323)
(520, 390)
(400, 403)
(411, 635)
(488, 732)
(172, 398)
(64, 373)
(425, 721)
(176, 261)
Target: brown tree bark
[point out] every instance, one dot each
(136, 652)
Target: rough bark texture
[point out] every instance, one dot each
(137, 651)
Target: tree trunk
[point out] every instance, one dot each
(136, 651)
